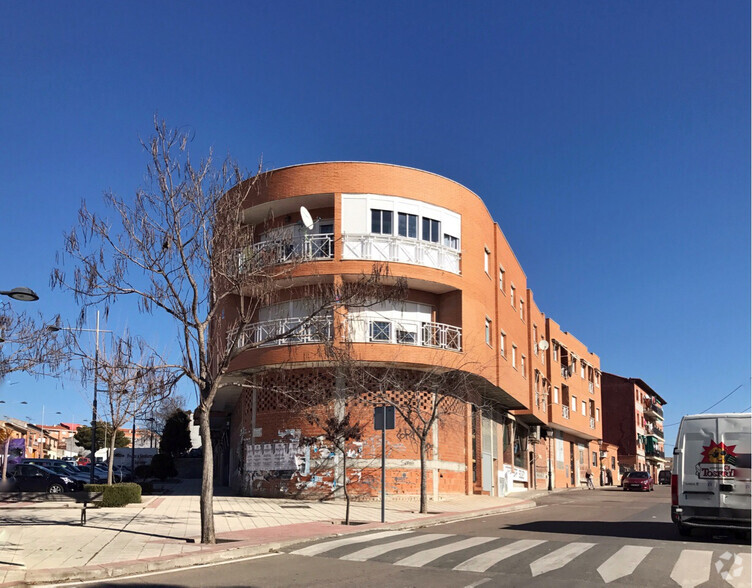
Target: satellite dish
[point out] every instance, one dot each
(305, 216)
(543, 345)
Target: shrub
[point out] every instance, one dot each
(163, 466)
(117, 494)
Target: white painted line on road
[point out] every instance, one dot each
(692, 568)
(483, 561)
(623, 562)
(147, 574)
(478, 583)
(376, 550)
(426, 556)
(740, 574)
(559, 558)
(319, 548)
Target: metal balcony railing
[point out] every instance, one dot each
(422, 334)
(652, 408)
(654, 430)
(271, 251)
(402, 250)
(565, 411)
(654, 453)
(288, 331)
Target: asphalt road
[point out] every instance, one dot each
(572, 539)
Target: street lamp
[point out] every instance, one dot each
(97, 330)
(21, 294)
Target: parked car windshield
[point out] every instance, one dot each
(638, 475)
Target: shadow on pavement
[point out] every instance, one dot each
(662, 531)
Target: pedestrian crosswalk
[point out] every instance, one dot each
(540, 558)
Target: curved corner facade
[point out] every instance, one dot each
(535, 420)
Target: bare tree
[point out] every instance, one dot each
(181, 248)
(26, 345)
(133, 380)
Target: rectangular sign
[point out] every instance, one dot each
(379, 418)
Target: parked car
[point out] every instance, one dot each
(83, 461)
(664, 477)
(78, 477)
(34, 478)
(638, 481)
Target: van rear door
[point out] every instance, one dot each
(698, 482)
(736, 484)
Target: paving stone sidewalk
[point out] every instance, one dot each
(45, 542)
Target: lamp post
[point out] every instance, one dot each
(21, 294)
(97, 330)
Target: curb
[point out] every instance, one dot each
(219, 554)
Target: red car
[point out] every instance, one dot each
(638, 481)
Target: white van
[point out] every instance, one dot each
(711, 476)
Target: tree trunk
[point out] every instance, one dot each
(207, 480)
(423, 501)
(344, 485)
(110, 454)
(6, 446)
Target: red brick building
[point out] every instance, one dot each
(536, 418)
(633, 420)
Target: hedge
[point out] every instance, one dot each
(116, 494)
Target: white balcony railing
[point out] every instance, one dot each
(402, 250)
(592, 422)
(288, 331)
(565, 411)
(590, 387)
(422, 334)
(304, 248)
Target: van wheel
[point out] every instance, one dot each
(684, 530)
(55, 489)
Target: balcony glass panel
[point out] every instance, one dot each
(402, 250)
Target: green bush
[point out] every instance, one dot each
(163, 466)
(117, 494)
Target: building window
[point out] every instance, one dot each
(556, 352)
(597, 379)
(451, 242)
(503, 343)
(486, 258)
(613, 462)
(430, 230)
(595, 458)
(582, 369)
(511, 295)
(381, 221)
(584, 408)
(501, 279)
(522, 310)
(381, 331)
(407, 337)
(574, 404)
(522, 365)
(514, 356)
(556, 395)
(535, 339)
(407, 225)
(488, 331)
(597, 414)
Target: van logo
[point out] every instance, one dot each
(718, 461)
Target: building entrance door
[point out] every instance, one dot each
(571, 464)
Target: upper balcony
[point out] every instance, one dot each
(287, 331)
(401, 250)
(653, 409)
(313, 247)
(655, 430)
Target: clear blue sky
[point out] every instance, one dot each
(611, 141)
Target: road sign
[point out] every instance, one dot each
(378, 418)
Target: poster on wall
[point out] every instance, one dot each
(271, 456)
(16, 450)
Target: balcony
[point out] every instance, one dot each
(401, 250)
(654, 430)
(591, 389)
(655, 453)
(421, 334)
(565, 411)
(288, 331)
(592, 422)
(300, 248)
(652, 408)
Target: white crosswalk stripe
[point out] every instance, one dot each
(319, 548)
(692, 568)
(623, 562)
(376, 550)
(559, 558)
(483, 561)
(426, 556)
(740, 574)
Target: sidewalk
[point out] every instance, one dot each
(45, 542)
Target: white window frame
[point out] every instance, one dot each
(408, 216)
(489, 325)
(514, 356)
(522, 365)
(556, 395)
(503, 344)
(573, 403)
(486, 259)
(522, 310)
(512, 290)
(584, 408)
(501, 279)
(597, 414)
(383, 212)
